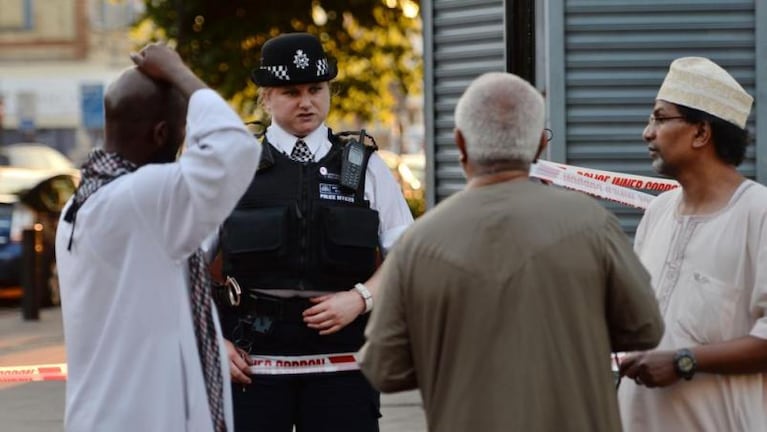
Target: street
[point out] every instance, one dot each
(39, 406)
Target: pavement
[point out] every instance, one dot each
(39, 406)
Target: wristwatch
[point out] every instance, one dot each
(685, 364)
(363, 291)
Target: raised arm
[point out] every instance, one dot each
(184, 202)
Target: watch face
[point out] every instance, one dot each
(685, 364)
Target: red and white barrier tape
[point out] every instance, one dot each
(262, 365)
(283, 365)
(608, 185)
(49, 372)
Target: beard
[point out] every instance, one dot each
(663, 168)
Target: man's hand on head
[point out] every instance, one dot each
(160, 62)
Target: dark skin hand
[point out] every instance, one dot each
(650, 368)
(162, 63)
(746, 355)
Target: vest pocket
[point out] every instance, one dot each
(254, 234)
(349, 239)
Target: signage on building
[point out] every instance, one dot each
(26, 109)
(92, 105)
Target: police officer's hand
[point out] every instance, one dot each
(238, 363)
(333, 312)
(650, 368)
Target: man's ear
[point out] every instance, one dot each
(463, 156)
(160, 134)
(703, 135)
(542, 146)
(460, 142)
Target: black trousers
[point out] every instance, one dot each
(324, 402)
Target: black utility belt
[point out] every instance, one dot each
(277, 308)
(257, 313)
(249, 302)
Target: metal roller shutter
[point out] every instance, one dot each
(462, 39)
(616, 56)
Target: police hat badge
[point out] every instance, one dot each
(293, 58)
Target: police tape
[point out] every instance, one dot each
(612, 186)
(261, 365)
(48, 372)
(292, 365)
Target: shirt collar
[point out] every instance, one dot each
(285, 141)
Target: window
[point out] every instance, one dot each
(17, 15)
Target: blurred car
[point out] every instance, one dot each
(35, 183)
(410, 172)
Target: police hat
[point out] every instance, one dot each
(293, 58)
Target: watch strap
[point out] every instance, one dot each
(364, 292)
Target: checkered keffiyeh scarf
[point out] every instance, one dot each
(100, 169)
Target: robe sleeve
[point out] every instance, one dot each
(386, 358)
(758, 303)
(183, 203)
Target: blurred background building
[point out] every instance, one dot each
(56, 57)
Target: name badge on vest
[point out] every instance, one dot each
(334, 192)
(327, 175)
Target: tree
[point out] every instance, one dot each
(373, 41)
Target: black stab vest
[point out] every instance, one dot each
(297, 228)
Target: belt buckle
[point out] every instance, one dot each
(233, 290)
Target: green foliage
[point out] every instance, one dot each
(371, 39)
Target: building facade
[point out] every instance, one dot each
(56, 57)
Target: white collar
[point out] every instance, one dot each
(284, 141)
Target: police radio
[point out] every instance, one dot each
(352, 164)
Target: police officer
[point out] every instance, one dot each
(302, 247)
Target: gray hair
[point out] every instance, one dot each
(501, 118)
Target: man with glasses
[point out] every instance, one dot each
(705, 245)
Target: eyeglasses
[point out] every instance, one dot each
(549, 134)
(657, 121)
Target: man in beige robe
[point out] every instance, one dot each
(504, 302)
(705, 245)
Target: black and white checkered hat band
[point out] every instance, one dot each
(279, 72)
(322, 66)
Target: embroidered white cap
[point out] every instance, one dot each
(699, 83)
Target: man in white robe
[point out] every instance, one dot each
(127, 248)
(705, 245)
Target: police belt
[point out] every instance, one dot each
(277, 308)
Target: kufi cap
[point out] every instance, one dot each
(293, 58)
(699, 83)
